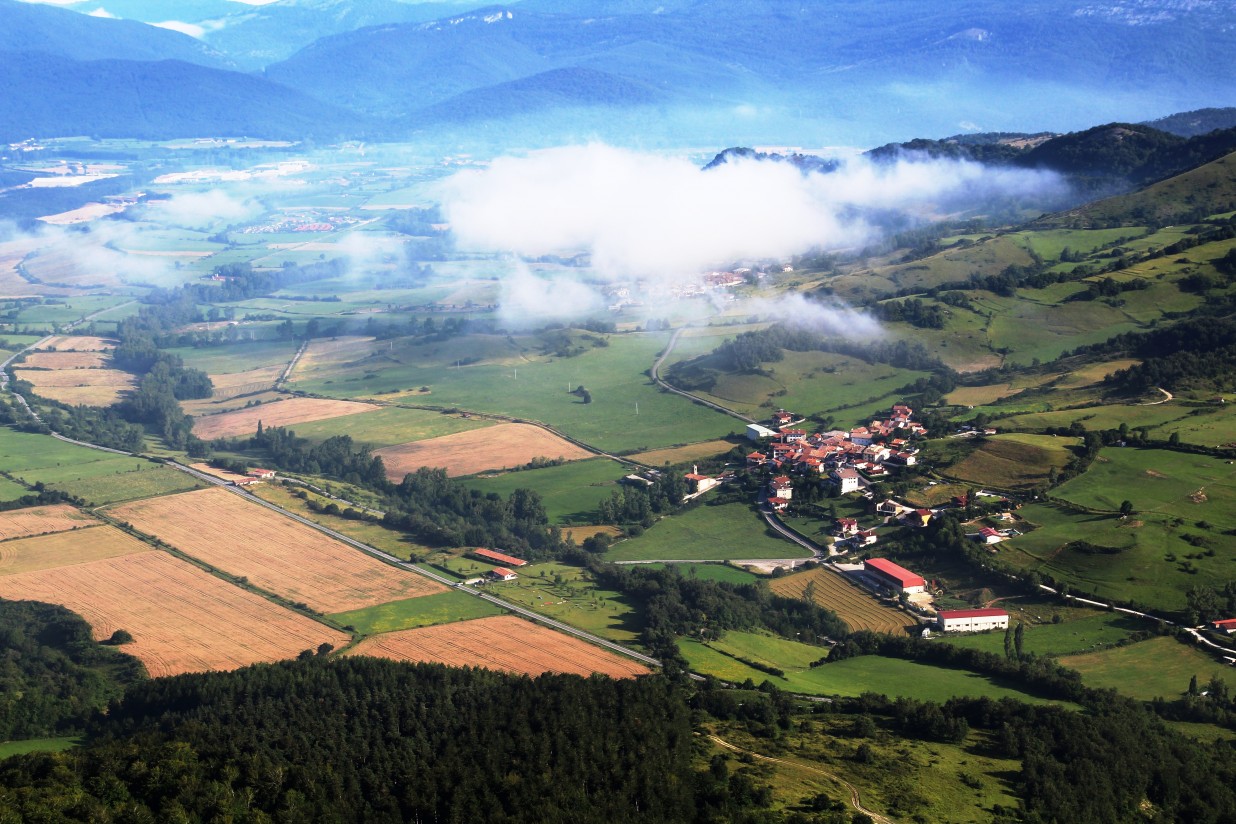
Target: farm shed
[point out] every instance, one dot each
(972, 620)
(498, 557)
(894, 577)
(502, 574)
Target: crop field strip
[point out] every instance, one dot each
(39, 520)
(66, 360)
(79, 343)
(60, 549)
(273, 552)
(466, 453)
(287, 413)
(181, 618)
(93, 387)
(855, 606)
(503, 643)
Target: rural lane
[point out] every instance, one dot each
(856, 800)
(655, 374)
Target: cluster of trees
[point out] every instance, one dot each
(675, 605)
(1197, 353)
(912, 311)
(439, 512)
(639, 504)
(52, 674)
(396, 743)
(337, 456)
(1109, 288)
(748, 350)
(1205, 604)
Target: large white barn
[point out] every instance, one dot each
(972, 620)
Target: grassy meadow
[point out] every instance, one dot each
(711, 532)
(571, 492)
(428, 610)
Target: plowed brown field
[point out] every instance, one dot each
(853, 605)
(272, 551)
(181, 618)
(504, 643)
(503, 446)
(66, 548)
(39, 520)
(281, 413)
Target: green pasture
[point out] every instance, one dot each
(237, 357)
(389, 425)
(1050, 243)
(1190, 487)
(569, 594)
(427, 610)
(35, 458)
(66, 310)
(811, 382)
(571, 492)
(711, 532)
(627, 412)
(1098, 630)
(11, 490)
(1149, 559)
(10, 748)
(1156, 668)
(712, 572)
(128, 485)
(1013, 460)
(850, 678)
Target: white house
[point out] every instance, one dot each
(972, 620)
(847, 479)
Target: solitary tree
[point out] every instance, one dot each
(1126, 509)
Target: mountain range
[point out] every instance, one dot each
(677, 72)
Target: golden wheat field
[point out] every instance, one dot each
(279, 413)
(272, 551)
(502, 642)
(181, 618)
(78, 546)
(854, 605)
(503, 446)
(38, 520)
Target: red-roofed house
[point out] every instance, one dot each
(502, 574)
(756, 459)
(972, 620)
(700, 483)
(781, 417)
(1224, 625)
(989, 536)
(897, 578)
(793, 435)
(919, 517)
(845, 527)
(261, 474)
(498, 557)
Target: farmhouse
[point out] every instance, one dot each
(261, 474)
(502, 574)
(919, 517)
(498, 557)
(987, 535)
(972, 620)
(845, 527)
(781, 487)
(700, 484)
(1227, 625)
(898, 579)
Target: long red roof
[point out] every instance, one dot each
(972, 613)
(902, 575)
(500, 557)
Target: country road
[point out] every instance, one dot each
(655, 373)
(856, 800)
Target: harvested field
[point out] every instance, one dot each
(579, 534)
(682, 454)
(83, 214)
(466, 453)
(66, 360)
(503, 643)
(78, 343)
(272, 551)
(181, 618)
(63, 268)
(66, 549)
(280, 413)
(40, 520)
(93, 387)
(221, 474)
(854, 605)
(245, 383)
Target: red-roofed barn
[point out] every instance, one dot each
(896, 578)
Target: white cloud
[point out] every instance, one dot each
(102, 12)
(191, 29)
(212, 209)
(653, 216)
